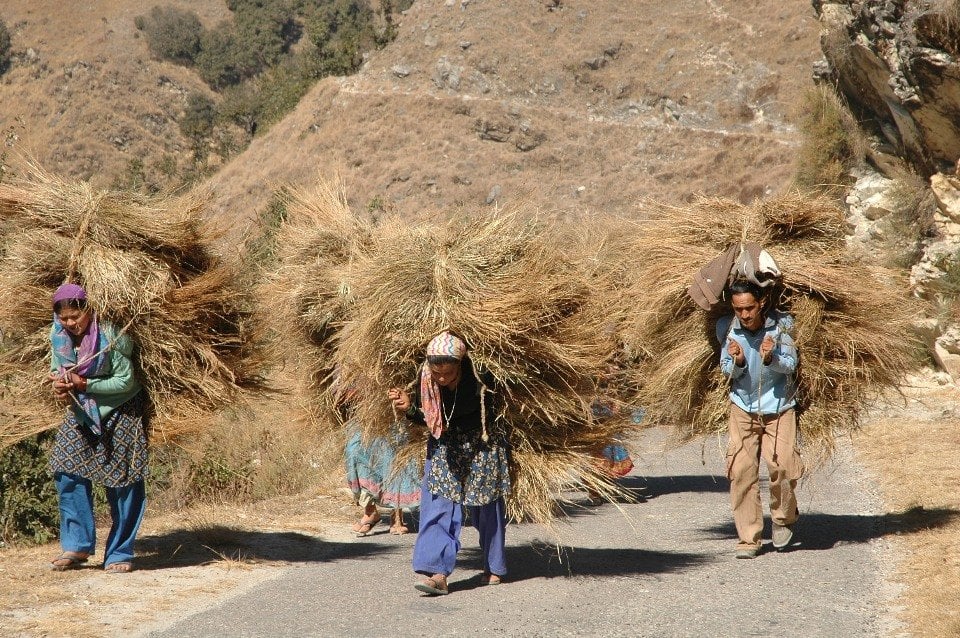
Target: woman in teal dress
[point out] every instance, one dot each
(373, 481)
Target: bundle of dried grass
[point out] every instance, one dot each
(533, 317)
(149, 267)
(308, 295)
(534, 320)
(852, 322)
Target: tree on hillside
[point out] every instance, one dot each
(198, 122)
(6, 48)
(341, 30)
(172, 34)
(258, 38)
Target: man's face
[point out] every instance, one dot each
(747, 309)
(445, 374)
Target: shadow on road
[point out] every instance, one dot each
(653, 486)
(217, 543)
(819, 531)
(541, 560)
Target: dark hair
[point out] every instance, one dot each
(741, 286)
(75, 304)
(440, 359)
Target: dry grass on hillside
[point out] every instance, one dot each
(90, 101)
(913, 456)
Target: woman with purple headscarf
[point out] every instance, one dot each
(103, 438)
(467, 464)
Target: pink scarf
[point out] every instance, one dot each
(447, 345)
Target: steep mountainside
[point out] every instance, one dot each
(585, 106)
(85, 97)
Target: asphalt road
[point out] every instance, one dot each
(663, 567)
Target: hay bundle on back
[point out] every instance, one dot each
(308, 296)
(851, 321)
(532, 318)
(149, 266)
(530, 313)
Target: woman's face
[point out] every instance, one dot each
(74, 320)
(445, 374)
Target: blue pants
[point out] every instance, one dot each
(78, 532)
(438, 539)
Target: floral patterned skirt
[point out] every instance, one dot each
(466, 470)
(118, 457)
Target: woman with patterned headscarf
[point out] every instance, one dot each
(467, 464)
(103, 438)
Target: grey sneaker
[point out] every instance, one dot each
(782, 535)
(747, 552)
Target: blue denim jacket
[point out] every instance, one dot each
(755, 387)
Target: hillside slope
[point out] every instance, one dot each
(84, 96)
(584, 106)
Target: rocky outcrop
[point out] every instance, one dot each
(896, 61)
(942, 252)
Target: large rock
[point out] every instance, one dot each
(893, 61)
(947, 351)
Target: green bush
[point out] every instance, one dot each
(222, 60)
(28, 498)
(259, 37)
(172, 34)
(6, 47)
(198, 122)
(341, 31)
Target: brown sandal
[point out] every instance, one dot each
(489, 578)
(396, 523)
(436, 585)
(69, 560)
(366, 525)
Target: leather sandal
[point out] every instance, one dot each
(489, 578)
(68, 560)
(397, 527)
(366, 523)
(435, 585)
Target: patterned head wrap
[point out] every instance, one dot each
(443, 345)
(447, 345)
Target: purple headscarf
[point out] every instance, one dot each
(69, 291)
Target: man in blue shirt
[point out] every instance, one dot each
(760, 359)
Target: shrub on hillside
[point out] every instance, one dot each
(28, 498)
(172, 34)
(260, 35)
(6, 47)
(198, 122)
(222, 60)
(831, 144)
(341, 31)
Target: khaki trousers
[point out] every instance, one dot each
(773, 437)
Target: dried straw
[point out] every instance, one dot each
(852, 321)
(149, 265)
(512, 288)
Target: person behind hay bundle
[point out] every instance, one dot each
(373, 482)
(103, 437)
(466, 464)
(760, 359)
